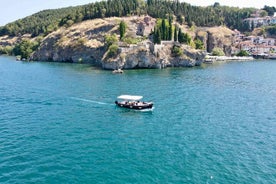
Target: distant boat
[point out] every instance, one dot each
(118, 71)
(271, 57)
(133, 102)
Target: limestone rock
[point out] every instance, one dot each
(221, 37)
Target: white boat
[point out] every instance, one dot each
(272, 56)
(133, 102)
(118, 71)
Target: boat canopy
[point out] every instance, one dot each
(130, 97)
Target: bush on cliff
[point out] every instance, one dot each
(110, 39)
(176, 51)
(6, 50)
(112, 50)
(243, 53)
(25, 48)
(218, 52)
(199, 44)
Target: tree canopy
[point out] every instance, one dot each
(47, 21)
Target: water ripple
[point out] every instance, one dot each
(212, 125)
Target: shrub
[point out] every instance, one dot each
(112, 50)
(199, 44)
(218, 52)
(25, 48)
(243, 53)
(176, 51)
(110, 39)
(6, 50)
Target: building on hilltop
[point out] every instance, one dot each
(146, 26)
(260, 21)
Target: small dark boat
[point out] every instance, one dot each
(133, 102)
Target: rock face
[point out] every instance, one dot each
(85, 42)
(51, 51)
(143, 56)
(82, 42)
(221, 37)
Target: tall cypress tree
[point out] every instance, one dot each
(158, 37)
(170, 31)
(122, 29)
(155, 35)
(180, 36)
(175, 34)
(163, 30)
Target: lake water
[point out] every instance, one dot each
(211, 124)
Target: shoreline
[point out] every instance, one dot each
(206, 60)
(213, 59)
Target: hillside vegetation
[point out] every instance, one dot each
(45, 22)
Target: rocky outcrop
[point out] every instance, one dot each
(142, 56)
(85, 42)
(50, 50)
(220, 37)
(82, 42)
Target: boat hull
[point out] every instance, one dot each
(138, 106)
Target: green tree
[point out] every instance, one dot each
(263, 13)
(122, 29)
(270, 10)
(175, 34)
(170, 29)
(44, 22)
(25, 48)
(157, 35)
(164, 30)
(170, 32)
(199, 44)
(187, 38)
(180, 36)
(243, 53)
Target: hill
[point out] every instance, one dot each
(45, 22)
(98, 42)
(157, 33)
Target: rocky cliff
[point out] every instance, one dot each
(85, 43)
(147, 55)
(220, 37)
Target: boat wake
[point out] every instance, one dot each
(89, 101)
(146, 110)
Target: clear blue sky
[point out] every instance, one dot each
(12, 10)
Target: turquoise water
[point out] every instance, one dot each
(211, 124)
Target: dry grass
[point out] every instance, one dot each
(94, 31)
